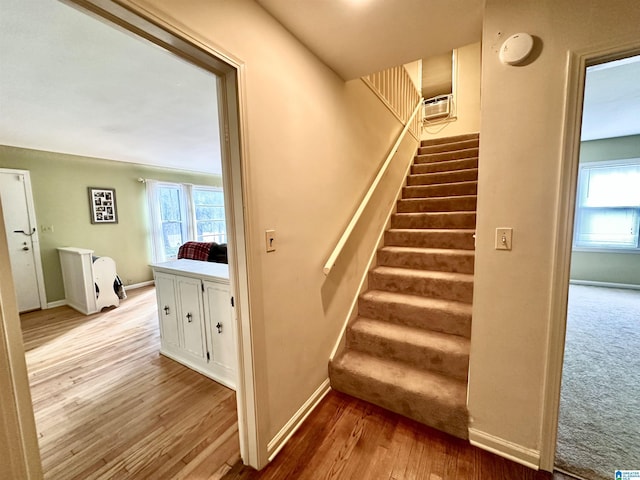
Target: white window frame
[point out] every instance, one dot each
(189, 224)
(581, 196)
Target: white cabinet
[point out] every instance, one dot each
(88, 280)
(196, 317)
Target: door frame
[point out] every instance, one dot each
(126, 15)
(577, 63)
(35, 238)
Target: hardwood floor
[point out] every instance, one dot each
(108, 406)
(345, 438)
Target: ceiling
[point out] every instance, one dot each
(612, 100)
(359, 37)
(72, 84)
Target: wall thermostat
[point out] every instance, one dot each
(516, 48)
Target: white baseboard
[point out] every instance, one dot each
(283, 436)
(592, 283)
(57, 303)
(517, 453)
(133, 286)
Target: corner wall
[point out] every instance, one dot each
(467, 97)
(610, 267)
(314, 145)
(521, 155)
(61, 200)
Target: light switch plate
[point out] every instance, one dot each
(270, 239)
(504, 238)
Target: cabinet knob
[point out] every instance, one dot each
(166, 309)
(189, 317)
(219, 327)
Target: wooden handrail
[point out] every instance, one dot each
(363, 204)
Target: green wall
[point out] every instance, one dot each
(607, 267)
(60, 195)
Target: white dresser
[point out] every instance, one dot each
(88, 281)
(196, 317)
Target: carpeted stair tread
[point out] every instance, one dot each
(459, 239)
(428, 397)
(451, 139)
(443, 259)
(444, 166)
(434, 220)
(449, 146)
(444, 190)
(446, 285)
(452, 155)
(436, 351)
(436, 314)
(438, 204)
(468, 174)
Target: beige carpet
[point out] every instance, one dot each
(408, 349)
(599, 430)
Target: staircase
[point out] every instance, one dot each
(408, 349)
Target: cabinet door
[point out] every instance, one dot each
(223, 340)
(167, 311)
(192, 319)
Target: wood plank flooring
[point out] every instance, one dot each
(108, 406)
(345, 438)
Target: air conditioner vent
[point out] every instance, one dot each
(437, 107)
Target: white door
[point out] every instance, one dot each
(190, 295)
(167, 310)
(22, 238)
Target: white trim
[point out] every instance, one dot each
(512, 451)
(593, 283)
(57, 303)
(372, 257)
(133, 286)
(566, 194)
(282, 437)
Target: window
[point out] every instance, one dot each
(183, 212)
(608, 205)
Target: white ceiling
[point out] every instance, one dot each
(612, 100)
(72, 84)
(359, 37)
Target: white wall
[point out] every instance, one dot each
(467, 97)
(519, 181)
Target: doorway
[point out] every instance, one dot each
(22, 239)
(599, 412)
(227, 78)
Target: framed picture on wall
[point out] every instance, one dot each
(102, 202)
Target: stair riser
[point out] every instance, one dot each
(451, 204)
(433, 413)
(438, 320)
(444, 177)
(449, 140)
(434, 220)
(460, 291)
(430, 239)
(448, 147)
(452, 364)
(435, 262)
(438, 157)
(447, 166)
(446, 190)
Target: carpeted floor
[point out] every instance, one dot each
(599, 429)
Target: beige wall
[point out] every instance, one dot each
(520, 157)
(314, 145)
(612, 267)
(467, 97)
